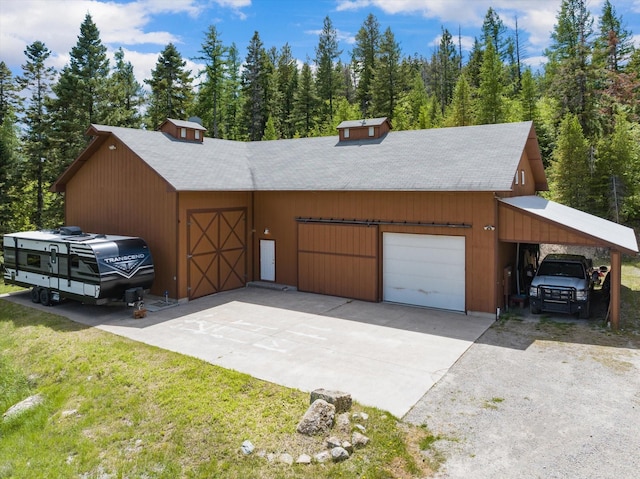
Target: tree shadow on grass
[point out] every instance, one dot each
(23, 316)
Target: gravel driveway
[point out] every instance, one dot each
(539, 399)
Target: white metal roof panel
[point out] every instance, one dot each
(608, 231)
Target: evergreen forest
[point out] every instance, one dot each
(584, 101)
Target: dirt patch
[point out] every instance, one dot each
(539, 399)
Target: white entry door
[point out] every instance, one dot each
(267, 260)
(424, 270)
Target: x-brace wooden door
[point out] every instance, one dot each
(217, 250)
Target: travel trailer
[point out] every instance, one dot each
(67, 263)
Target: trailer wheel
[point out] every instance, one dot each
(45, 297)
(35, 294)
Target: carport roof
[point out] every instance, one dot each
(607, 231)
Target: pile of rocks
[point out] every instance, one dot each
(328, 415)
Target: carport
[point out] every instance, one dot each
(532, 219)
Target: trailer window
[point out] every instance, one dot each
(33, 260)
(84, 266)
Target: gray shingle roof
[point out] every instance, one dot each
(474, 158)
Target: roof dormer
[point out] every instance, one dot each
(191, 130)
(367, 129)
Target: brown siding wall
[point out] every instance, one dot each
(116, 193)
(277, 212)
(529, 187)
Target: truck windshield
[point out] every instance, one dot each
(557, 268)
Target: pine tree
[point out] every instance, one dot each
(494, 32)
(306, 103)
(461, 109)
(446, 70)
(9, 145)
(254, 89)
(617, 88)
(614, 180)
(9, 98)
(270, 132)
(209, 99)
(529, 96)
(79, 99)
(287, 83)
(326, 55)
(569, 71)
(414, 101)
(571, 169)
(231, 105)
(490, 107)
(171, 92)
(363, 60)
(473, 66)
(388, 82)
(125, 95)
(613, 45)
(81, 90)
(36, 82)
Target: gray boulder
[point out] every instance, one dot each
(339, 454)
(342, 401)
(318, 419)
(22, 406)
(359, 440)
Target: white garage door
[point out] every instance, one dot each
(424, 270)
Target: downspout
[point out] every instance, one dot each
(252, 231)
(497, 273)
(177, 252)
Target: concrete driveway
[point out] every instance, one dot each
(384, 355)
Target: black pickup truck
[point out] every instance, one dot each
(562, 284)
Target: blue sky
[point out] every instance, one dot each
(144, 27)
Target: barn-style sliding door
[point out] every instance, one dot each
(337, 259)
(217, 247)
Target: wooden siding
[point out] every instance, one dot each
(340, 260)
(529, 186)
(277, 211)
(517, 226)
(116, 193)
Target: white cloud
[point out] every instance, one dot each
(57, 24)
(536, 18)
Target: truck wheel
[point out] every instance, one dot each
(45, 297)
(534, 310)
(584, 314)
(35, 294)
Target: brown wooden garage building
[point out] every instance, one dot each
(423, 217)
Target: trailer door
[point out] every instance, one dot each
(54, 279)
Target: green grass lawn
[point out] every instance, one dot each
(121, 409)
